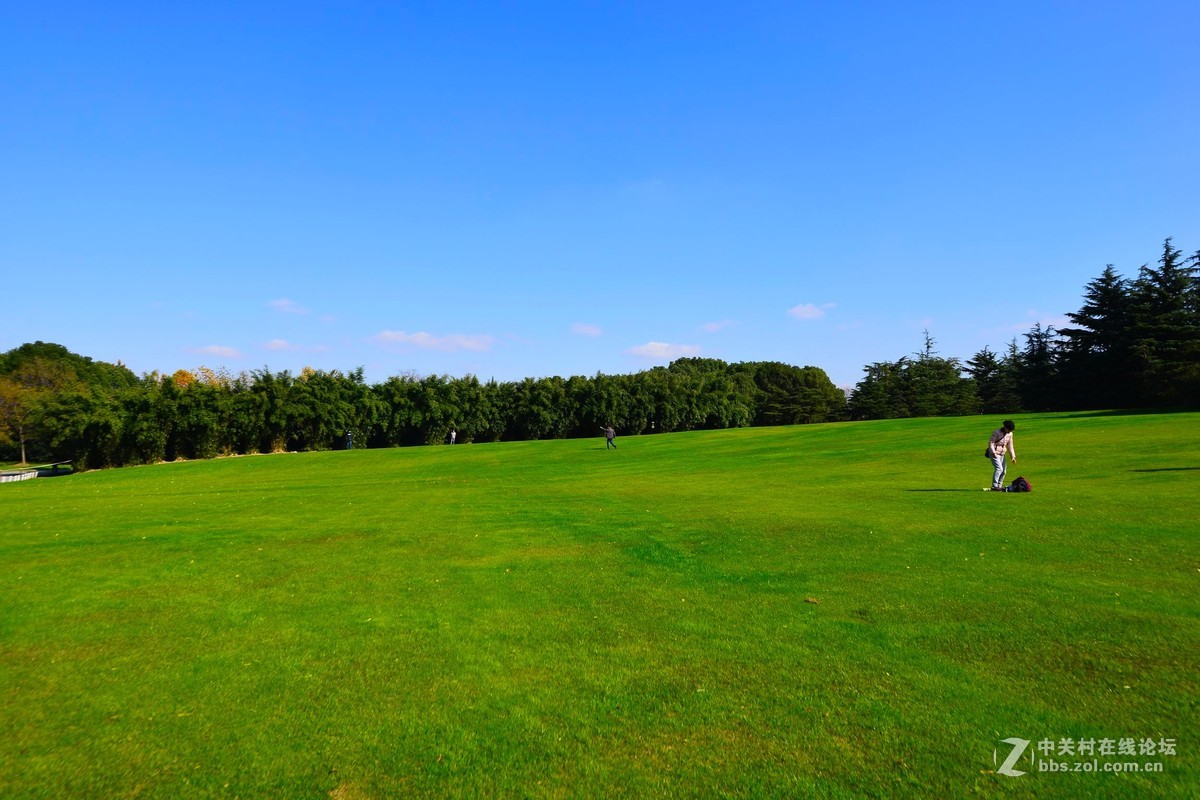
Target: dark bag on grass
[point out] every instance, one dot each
(1020, 485)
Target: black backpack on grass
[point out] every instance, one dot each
(1020, 485)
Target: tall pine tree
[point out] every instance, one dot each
(1166, 329)
(1096, 361)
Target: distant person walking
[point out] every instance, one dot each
(1000, 443)
(609, 435)
(453, 435)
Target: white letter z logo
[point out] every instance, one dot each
(1018, 750)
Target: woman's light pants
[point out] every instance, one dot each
(1000, 469)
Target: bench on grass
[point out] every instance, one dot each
(35, 471)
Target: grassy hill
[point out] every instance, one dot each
(826, 610)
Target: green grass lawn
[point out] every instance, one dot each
(825, 611)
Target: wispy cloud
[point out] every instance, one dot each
(1055, 321)
(714, 327)
(285, 306)
(217, 350)
(428, 341)
(283, 345)
(663, 350)
(1047, 321)
(583, 329)
(809, 310)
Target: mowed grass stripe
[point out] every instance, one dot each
(551, 619)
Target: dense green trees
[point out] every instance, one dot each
(995, 380)
(925, 386)
(1099, 346)
(38, 376)
(106, 419)
(790, 396)
(53, 366)
(1132, 343)
(17, 405)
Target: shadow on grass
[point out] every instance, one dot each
(1167, 469)
(1112, 412)
(940, 490)
(55, 473)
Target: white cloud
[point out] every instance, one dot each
(427, 341)
(809, 310)
(713, 327)
(220, 351)
(583, 329)
(1047, 320)
(283, 345)
(663, 350)
(285, 306)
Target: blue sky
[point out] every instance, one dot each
(538, 188)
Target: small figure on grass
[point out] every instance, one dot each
(609, 436)
(1000, 444)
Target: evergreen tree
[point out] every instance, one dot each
(984, 369)
(1008, 378)
(1038, 370)
(880, 394)
(935, 386)
(1096, 359)
(1166, 329)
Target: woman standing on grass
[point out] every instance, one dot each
(1001, 443)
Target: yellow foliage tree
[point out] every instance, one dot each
(183, 378)
(17, 403)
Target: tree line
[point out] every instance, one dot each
(1135, 342)
(57, 405)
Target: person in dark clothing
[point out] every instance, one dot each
(609, 435)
